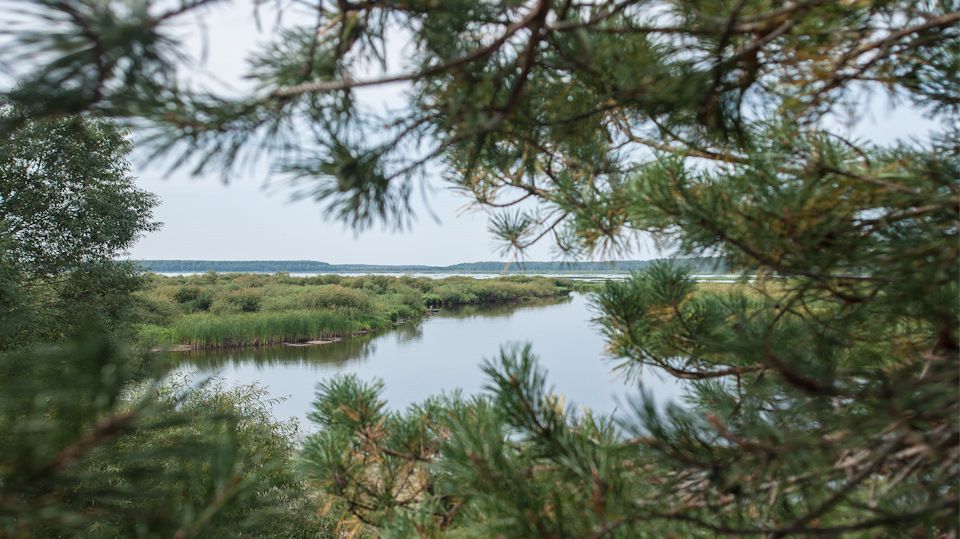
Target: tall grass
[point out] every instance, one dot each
(774, 288)
(222, 331)
(225, 310)
(469, 291)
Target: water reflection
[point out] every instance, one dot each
(339, 353)
(443, 353)
(409, 332)
(335, 354)
(497, 311)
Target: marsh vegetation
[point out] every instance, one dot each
(225, 310)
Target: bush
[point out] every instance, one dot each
(331, 278)
(250, 280)
(453, 295)
(407, 294)
(187, 293)
(201, 303)
(247, 300)
(151, 336)
(158, 310)
(224, 306)
(332, 296)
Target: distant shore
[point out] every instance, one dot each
(704, 265)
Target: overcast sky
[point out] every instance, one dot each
(250, 220)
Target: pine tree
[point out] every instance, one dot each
(824, 398)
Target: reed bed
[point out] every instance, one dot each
(768, 288)
(228, 310)
(265, 328)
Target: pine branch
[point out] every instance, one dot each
(331, 86)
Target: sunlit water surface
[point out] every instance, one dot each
(442, 353)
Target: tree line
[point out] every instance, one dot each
(702, 265)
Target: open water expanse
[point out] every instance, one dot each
(442, 353)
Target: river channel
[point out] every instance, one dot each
(442, 353)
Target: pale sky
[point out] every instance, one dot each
(203, 219)
(250, 220)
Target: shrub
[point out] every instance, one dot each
(187, 293)
(332, 296)
(407, 294)
(222, 305)
(331, 278)
(158, 310)
(200, 303)
(248, 300)
(250, 280)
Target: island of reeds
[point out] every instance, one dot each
(216, 310)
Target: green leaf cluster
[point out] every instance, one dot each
(823, 399)
(86, 450)
(92, 443)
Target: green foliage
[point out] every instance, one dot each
(17, 314)
(482, 466)
(193, 299)
(242, 301)
(824, 406)
(102, 292)
(242, 329)
(515, 461)
(68, 207)
(187, 293)
(91, 443)
(224, 310)
(66, 195)
(85, 452)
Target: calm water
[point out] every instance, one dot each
(442, 353)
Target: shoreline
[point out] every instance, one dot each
(312, 342)
(224, 312)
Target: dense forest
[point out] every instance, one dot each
(694, 264)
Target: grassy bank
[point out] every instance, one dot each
(226, 310)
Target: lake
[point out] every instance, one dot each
(442, 353)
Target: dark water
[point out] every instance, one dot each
(442, 353)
